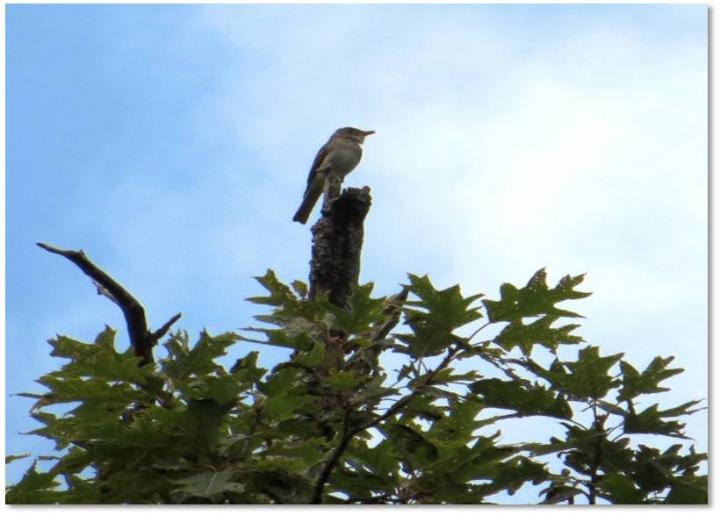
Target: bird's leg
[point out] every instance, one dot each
(331, 186)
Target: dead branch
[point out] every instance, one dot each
(141, 338)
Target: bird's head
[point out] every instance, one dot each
(353, 134)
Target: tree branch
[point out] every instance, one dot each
(393, 309)
(166, 327)
(401, 403)
(598, 425)
(141, 339)
(349, 433)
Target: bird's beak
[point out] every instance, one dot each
(367, 133)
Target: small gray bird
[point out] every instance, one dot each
(340, 155)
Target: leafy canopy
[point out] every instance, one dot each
(335, 424)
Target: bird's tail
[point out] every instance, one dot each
(302, 214)
(309, 200)
(308, 203)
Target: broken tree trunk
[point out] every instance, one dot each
(337, 245)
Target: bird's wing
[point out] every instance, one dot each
(319, 158)
(314, 187)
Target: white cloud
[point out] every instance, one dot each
(583, 151)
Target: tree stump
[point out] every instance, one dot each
(337, 245)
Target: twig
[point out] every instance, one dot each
(141, 339)
(401, 403)
(393, 310)
(349, 433)
(166, 327)
(478, 330)
(598, 425)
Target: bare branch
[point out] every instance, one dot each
(101, 290)
(141, 339)
(166, 327)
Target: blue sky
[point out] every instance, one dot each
(172, 144)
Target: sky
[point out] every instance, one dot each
(172, 143)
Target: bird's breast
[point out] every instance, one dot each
(344, 158)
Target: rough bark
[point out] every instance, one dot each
(337, 245)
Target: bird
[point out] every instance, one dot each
(340, 155)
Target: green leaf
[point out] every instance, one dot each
(283, 380)
(360, 484)
(281, 407)
(555, 446)
(651, 472)
(314, 357)
(588, 378)
(481, 461)
(65, 389)
(457, 427)
(278, 481)
(13, 457)
(518, 334)
(682, 409)
(421, 406)
(412, 444)
(513, 473)
(280, 294)
(443, 377)
(297, 334)
(64, 347)
(203, 420)
(447, 309)
(620, 489)
(301, 288)
(346, 380)
(183, 362)
(650, 421)
(308, 451)
(592, 446)
(534, 299)
(361, 312)
(525, 399)
(245, 369)
(426, 340)
(434, 317)
(223, 389)
(34, 488)
(557, 493)
(379, 459)
(99, 359)
(207, 486)
(81, 492)
(689, 491)
(73, 462)
(635, 383)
